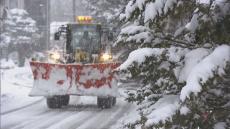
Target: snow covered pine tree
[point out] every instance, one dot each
(183, 58)
(106, 11)
(18, 31)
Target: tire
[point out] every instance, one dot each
(53, 102)
(64, 100)
(100, 102)
(104, 102)
(114, 101)
(108, 102)
(57, 101)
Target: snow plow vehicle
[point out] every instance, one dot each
(87, 68)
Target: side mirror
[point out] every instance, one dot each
(57, 36)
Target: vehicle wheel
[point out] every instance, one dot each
(104, 102)
(64, 100)
(53, 102)
(99, 102)
(108, 102)
(114, 101)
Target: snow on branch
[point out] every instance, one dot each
(165, 108)
(133, 29)
(135, 34)
(139, 56)
(174, 54)
(192, 58)
(5, 39)
(204, 70)
(152, 9)
(131, 7)
(158, 8)
(17, 11)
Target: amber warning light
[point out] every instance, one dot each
(84, 19)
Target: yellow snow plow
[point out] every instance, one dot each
(87, 67)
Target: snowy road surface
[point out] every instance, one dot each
(22, 112)
(82, 113)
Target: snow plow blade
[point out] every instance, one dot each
(74, 79)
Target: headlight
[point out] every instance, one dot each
(56, 56)
(106, 56)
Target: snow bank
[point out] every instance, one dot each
(216, 61)
(7, 64)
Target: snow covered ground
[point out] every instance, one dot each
(18, 110)
(16, 84)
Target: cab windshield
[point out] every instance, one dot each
(86, 38)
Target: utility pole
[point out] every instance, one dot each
(74, 10)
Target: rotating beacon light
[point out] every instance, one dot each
(84, 19)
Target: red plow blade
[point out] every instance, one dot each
(60, 79)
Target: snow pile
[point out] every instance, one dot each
(204, 70)
(6, 64)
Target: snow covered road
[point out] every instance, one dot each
(18, 111)
(82, 113)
